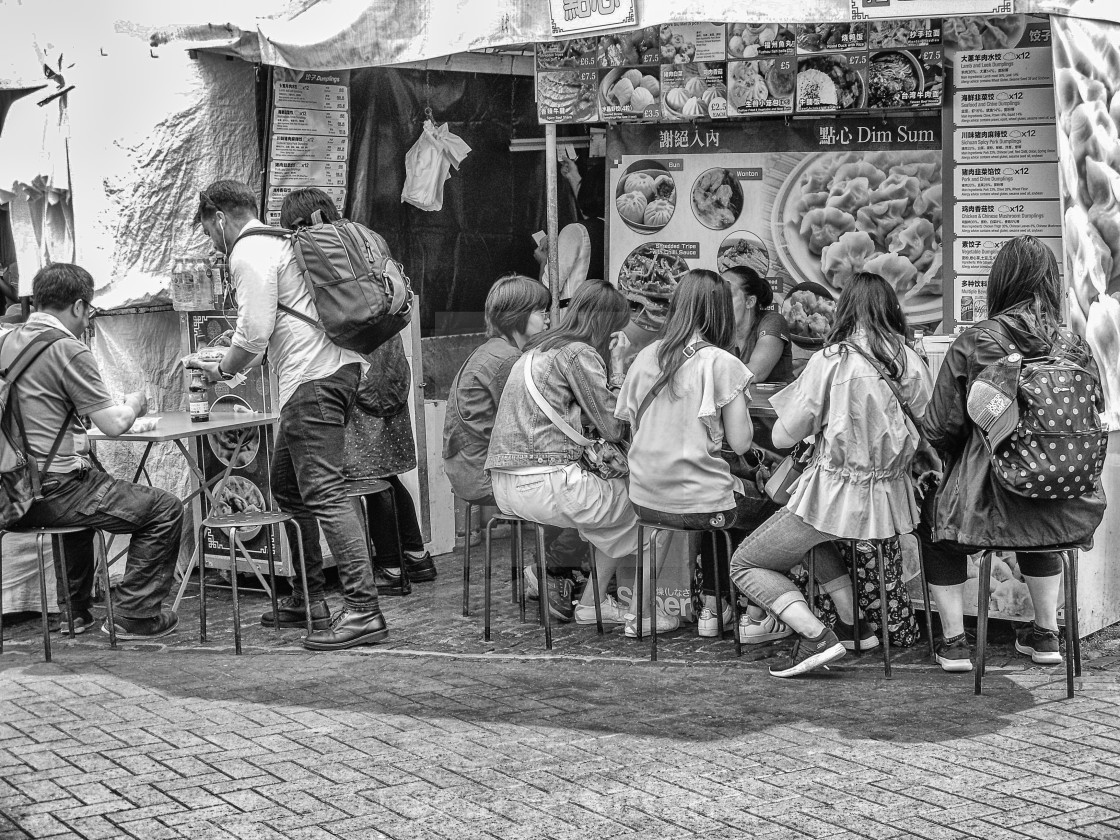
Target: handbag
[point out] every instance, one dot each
(780, 485)
(604, 458)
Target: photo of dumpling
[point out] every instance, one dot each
(646, 196)
(717, 199)
(839, 213)
(224, 444)
(237, 494)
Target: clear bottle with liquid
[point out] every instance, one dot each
(919, 345)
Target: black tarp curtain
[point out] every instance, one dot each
(492, 204)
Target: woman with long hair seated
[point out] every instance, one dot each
(857, 484)
(534, 466)
(685, 397)
(972, 509)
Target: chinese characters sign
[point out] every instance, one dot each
(309, 138)
(571, 16)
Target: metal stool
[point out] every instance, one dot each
(545, 617)
(374, 487)
(1073, 636)
(99, 560)
(639, 595)
(232, 524)
(884, 629)
(515, 537)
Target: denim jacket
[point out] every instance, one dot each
(574, 380)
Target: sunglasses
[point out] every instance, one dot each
(91, 310)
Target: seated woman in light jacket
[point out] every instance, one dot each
(534, 467)
(516, 310)
(857, 484)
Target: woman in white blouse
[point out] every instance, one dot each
(857, 484)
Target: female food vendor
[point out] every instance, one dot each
(762, 337)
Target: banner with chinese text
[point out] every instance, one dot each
(808, 202)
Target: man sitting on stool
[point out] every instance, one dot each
(59, 386)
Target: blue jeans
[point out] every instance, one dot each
(153, 518)
(307, 482)
(759, 565)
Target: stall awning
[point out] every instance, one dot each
(340, 34)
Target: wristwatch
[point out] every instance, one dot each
(226, 377)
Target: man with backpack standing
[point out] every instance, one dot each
(318, 385)
(54, 380)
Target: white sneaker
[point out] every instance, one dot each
(665, 624)
(613, 613)
(757, 631)
(530, 578)
(708, 623)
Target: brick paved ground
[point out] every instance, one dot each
(441, 735)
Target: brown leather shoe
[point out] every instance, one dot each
(350, 628)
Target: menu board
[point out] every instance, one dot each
(1001, 164)
(811, 202)
(309, 137)
(682, 72)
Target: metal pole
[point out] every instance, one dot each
(552, 212)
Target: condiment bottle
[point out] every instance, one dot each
(199, 404)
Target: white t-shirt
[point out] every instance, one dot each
(264, 273)
(675, 462)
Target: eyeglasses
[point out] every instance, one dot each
(91, 310)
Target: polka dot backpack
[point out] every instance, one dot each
(1057, 448)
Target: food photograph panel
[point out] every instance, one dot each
(805, 221)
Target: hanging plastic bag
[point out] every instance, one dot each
(428, 164)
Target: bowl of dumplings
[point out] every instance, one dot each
(634, 91)
(841, 213)
(646, 196)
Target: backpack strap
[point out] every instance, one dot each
(689, 351)
(543, 404)
(23, 360)
(277, 233)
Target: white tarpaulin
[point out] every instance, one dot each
(341, 34)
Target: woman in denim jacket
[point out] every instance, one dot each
(535, 467)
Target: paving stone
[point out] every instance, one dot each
(438, 734)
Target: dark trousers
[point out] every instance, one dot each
(381, 530)
(750, 511)
(946, 562)
(307, 482)
(153, 519)
(564, 550)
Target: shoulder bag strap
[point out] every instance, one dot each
(543, 404)
(892, 385)
(689, 352)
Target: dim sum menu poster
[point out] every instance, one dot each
(808, 202)
(1001, 149)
